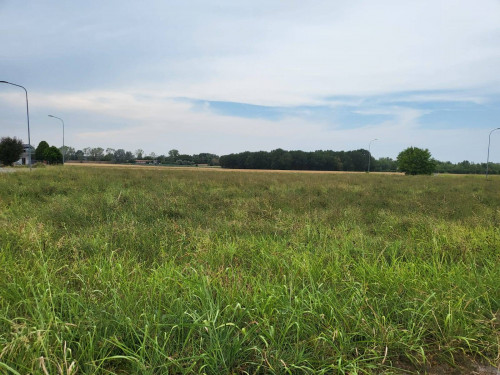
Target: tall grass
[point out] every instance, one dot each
(143, 271)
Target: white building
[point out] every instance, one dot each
(25, 155)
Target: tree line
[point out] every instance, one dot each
(357, 160)
(120, 155)
(411, 161)
(298, 160)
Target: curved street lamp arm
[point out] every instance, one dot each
(27, 116)
(60, 119)
(488, 158)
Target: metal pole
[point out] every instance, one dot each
(488, 158)
(27, 116)
(369, 153)
(63, 133)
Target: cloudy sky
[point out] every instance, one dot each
(229, 76)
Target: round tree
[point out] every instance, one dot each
(10, 150)
(53, 155)
(40, 150)
(415, 160)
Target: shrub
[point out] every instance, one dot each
(53, 155)
(10, 150)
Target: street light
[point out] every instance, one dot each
(63, 133)
(488, 159)
(369, 154)
(27, 116)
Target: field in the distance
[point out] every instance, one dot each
(165, 271)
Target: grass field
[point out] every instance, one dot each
(165, 271)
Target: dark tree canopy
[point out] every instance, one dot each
(10, 150)
(40, 150)
(321, 160)
(205, 158)
(53, 155)
(415, 161)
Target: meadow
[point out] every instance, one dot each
(165, 271)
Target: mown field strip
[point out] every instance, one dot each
(105, 165)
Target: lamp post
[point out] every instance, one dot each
(27, 116)
(369, 153)
(60, 119)
(488, 159)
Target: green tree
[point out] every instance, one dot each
(53, 155)
(139, 153)
(40, 150)
(385, 165)
(10, 150)
(96, 153)
(68, 152)
(415, 160)
(87, 152)
(120, 156)
(173, 155)
(110, 154)
(129, 157)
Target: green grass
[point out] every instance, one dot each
(155, 271)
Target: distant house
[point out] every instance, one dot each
(145, 161)
(25, 155)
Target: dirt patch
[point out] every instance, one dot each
(461, 367)
(7, 170)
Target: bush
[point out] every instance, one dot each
(53, 155)
(10, 150)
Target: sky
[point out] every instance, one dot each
(232, 76)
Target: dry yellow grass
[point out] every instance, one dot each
(102, 165)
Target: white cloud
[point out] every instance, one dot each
(370, 48)
(110, 69)
(263, 52)
(158, 124)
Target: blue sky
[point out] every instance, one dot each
(230, 76)
(373, 110)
